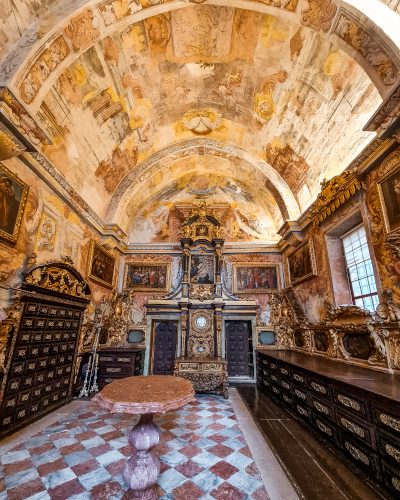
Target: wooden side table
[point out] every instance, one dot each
(144, 395)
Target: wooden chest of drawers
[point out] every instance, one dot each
(356, 409)
(115, 364)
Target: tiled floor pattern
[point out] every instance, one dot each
(203, 454)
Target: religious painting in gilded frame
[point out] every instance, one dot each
(389, 194)
(202, 269)
(147, 276)
(101, 265)
(13, 194)
(255, 277)
(301, 263)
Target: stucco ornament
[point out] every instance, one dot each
(201, 121)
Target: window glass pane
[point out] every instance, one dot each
(353, 274)
(356, 288)
(359, 303)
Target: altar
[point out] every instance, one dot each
(201, 331)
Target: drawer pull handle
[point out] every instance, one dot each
(298, 378)
(274, 367)
(266, 383)
(350, 403)
(321, 408)
(300, 394)
(6, 420)
(274, 378)
(393, 452)
(390, 422)
(318, 388)
(105, 358)
(124, 360)
(113, 370)
(396, 483)
(355, 429)
(265, 372)
(324, 428)
(357, 454)
(288, 400)
(284, 371)
(302, 411)
(286, 386)
(275, 389)
(265, 362)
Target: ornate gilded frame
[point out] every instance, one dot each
(167, 287)
(314, 271)
(393, 170)
(95, 279)
(203, 251)
(252, 291)
(12, 239)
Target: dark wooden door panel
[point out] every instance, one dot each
(237, 349)
(164, 349)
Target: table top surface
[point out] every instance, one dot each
(383, 384)
(145, 394)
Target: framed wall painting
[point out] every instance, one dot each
(13, 194)
(202, 269)
(101, 265)
(301, 263)
(255, 278)
(147, 276)
(389, 194)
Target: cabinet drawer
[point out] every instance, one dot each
(352, 404)
(274, 378)
(106, 358)
(124, 359)
(284, 371)
(266, 384)
(274, 367)
(388, 421)
(300, 395)
(325, 427)
(120, 370)
(287, 398)
(320, 388)
(391, 477)
(360, 455)
(286, 385)
(322, 407)
(389, 447)
(264, 362)
(299, 378)
(361, 430)
(275, 389)
(303, 410)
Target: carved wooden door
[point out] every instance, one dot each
(164, 349)
(237, 349)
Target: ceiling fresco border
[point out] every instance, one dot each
(312, 14)
(125, 190)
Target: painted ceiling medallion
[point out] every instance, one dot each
(201, 121)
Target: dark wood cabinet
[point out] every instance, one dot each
(43, 343)
(355, 408)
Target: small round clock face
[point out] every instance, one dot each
(201, 321)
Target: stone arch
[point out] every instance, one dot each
(199, 146)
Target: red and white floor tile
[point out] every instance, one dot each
(203, 453)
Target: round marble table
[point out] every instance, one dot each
(144, 395)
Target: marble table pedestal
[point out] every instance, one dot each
(144, 395)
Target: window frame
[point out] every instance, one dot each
(352, 293)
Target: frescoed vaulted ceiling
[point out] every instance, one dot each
(145, 103)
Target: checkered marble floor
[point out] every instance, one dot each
(203, 454)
